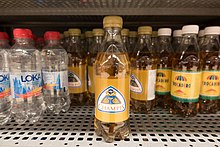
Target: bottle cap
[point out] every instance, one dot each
(29, 32)
(132, 34)
(190, 29)
(177, 33)
(164, 32)
(146, 30)
(213, 30)
(4, 36)
(154, 34)
(98, 32)
(125, 32)
(88, 34)
(75, 32)
(21, 33)
(112, 21)
(51, 35)
(66, 34)
(82, 36)
(201, 33)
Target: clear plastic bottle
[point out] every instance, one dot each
(66, 40)
(164, 67)
(5, 97)
(124, 35)
(177, 38)
(89, 41)
(95, 48)
(25, 79)
(40, 43)
(77, 70)
(210, 86)
(132, 41)
(55, 74)
(112, 79)
(186, 74)
(143, 73)
(154, 42)
(201, 37)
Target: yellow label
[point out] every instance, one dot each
(90, 79)
(185, 86)
(77, 79)
(143, 84)
(210, 87)
(112, 98)
(163, 81)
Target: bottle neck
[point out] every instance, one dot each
(4, 42)
(74, 44)
(52, 42)
(74, 39)
(212, 37)
(124, 39)
(113, 34)
(98, 39)
(210, 43)
(189, 40)
(144, 43)
(23, 41)
(165, 39)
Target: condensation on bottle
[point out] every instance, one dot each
(5, 96)
(25, 79)
(55, 74)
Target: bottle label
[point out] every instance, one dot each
(185, 86)
(210, 87)
(143, 84)
(4, 85)
(112, 99)
(55, 80)
(77, 79)
(26, 84)
(90, 79)
(163, 81)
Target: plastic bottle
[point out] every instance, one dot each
(77, 70)
(95, 48)
(66, 40)
(201, 37)
(25, 79)
(124, 35)
(143, 73)
(186, 74)
(132, 41)
(5, 97)
(154, 42)
(89, 41)
(164, 67)
(112, 79)
(55, 74)
(210, 86)
(177, 38)
(40, 43)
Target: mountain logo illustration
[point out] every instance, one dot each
(211, 90)
(74, 80)
(111, 101)
(160, 74)
(159, 87)
(179, 92)
(213, 77)
(180, 78)
(135, 85)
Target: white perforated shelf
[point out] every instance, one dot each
(75, 128)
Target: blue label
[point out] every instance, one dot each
(4, 84)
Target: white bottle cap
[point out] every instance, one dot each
(177, 33)
(215, 30)
(190, 29)
(201, 33)
(164, 32)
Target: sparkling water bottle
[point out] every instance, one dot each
(25, 79)
(5, 99)
(55, 75)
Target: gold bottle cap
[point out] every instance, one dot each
(66, 34)
(132, 34)
(112, 21)
(125, 32)
(82, 36)
(98, 32)
(154, 34)
(74, 31)
(88, 34)
(146, 30)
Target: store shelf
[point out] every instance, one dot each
(75, 128)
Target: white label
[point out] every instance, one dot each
(55, 80)
(111, 101)
(135, 85)
(151, 84)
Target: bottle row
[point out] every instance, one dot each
(111, 70)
